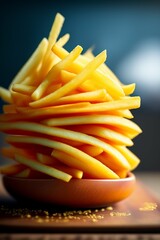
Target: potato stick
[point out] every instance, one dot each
(27, 90)
(106, 133)
(53, 35)
(28, 81)
(82, 159)
(51, 171)
(69, 142)
(66, 76)
(11, 169)
(84, 87)
(29, 113)
(8, 152)
(55, 30)
(123, 113)
(75, 173)
(93, 96)
(130, 156)
(53, 88)
(72, 85)
(63, 40)
(51, 59)
(121, 173)
(32, 63)
(64, 133)
(111, 163)
(9, 108)
(113, 88)
(46, 66)
(45, 159)
(95, 119)
(5, 95)
(55, 71)
(129, 89)
(85, 166)
(104, 68)
(20, 99)
(24, 173)
(91, 150)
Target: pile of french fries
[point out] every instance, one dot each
(68, 116)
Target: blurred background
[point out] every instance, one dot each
(129, 30)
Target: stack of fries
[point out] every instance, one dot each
(68, 116)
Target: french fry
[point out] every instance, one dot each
(63, 40)
(70, 86)
(24, 173)
(93, 96)
(73, 135)
(114, 89)
(55, 30)
(20, 99)
(11, 169)
(32, 63)
(112, 120)
(27, 90)
(129, 89)
(106, 133)
(51, 171)
(8, 152)
(91, 150)
(111, 162)
(5, 95)
(130, 156)
(9, 108)
(53, 74)
(94, 168)
(49, 160)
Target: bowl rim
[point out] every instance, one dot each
(130, 177)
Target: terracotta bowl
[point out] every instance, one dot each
(77, 193)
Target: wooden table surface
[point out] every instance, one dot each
(139, 213)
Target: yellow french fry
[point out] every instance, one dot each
(8, 152)
(111, 163)
(55, 30)
(5, 95)
(129, 155)
(24, 173)
(96, 170)
(9, 108)
(94, 167)
(26, 113)
(32, 63)
(72, 85)
(129, 89)
(63, 40)
(27, 90)
(54, 72)
(11, 169)
(20, 99)
(106, 133)
(46, 159)
(113, 88)
(91, 150)
(49, 160)
(51, 171)
(64, 133)
(111, 120)
(93, 96)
